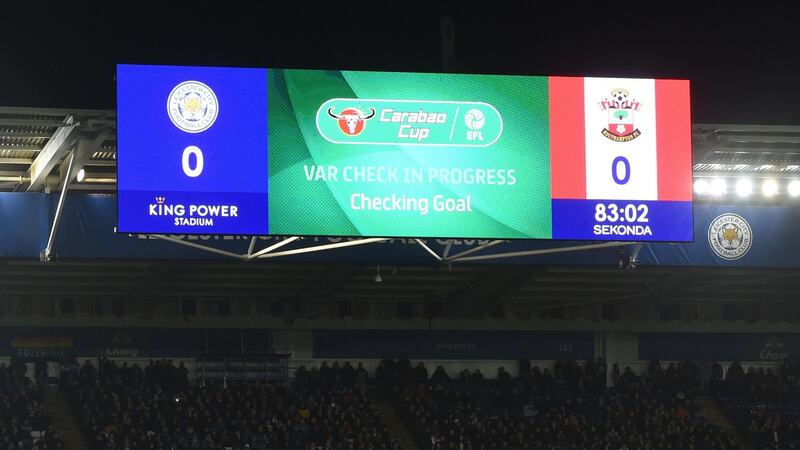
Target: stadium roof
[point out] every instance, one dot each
(35, 142)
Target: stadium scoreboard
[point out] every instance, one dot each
(209, 150)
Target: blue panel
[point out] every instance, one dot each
(49, 343)
(615, 220)
(761, 239)
(439, 344)
(718, 346)
(24, 220)
(257, 341)
(86, 230)
(162, 111)
(174, 343)
(725, 235)
(227, 342)
(122, 342)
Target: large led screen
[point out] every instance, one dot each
(387, 154)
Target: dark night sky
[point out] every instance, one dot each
(744, 67)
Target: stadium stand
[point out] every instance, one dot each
(131, 408)
(764, 404)
(569, 405)
(570, 408)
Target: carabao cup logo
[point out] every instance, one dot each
(192, 106)
(351, 120)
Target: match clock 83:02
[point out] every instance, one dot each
(613, 213)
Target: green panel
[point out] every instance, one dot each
(408, 154)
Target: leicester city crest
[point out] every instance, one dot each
(730, 236)
(192, 106)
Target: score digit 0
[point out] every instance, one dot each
(626, 166)
(198, 167)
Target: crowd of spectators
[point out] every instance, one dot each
(763, 384)
(127, 407)
(767, 428)
(568, 408)
(23, 422)
(765, 403)
(334, 375)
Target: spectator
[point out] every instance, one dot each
(405, 373)
(476, 377)
(361, 376)
(183, 375)
(420, 373)
(348, 374)
(503, 377)
(615, 375)
(325, 373)
(382, 377)
(301, 376)
(440, 375)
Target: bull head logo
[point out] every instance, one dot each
(351, 120)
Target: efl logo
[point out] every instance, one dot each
(351, 120)
(475, 120)
(621, 111)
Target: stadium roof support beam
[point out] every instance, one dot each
(198, 246)
(85, 149)
(544, 251)
(252, 246)
(447, 248)
(268, 252)
(447, 259)
(319, 248)
(20, 161)
(46, 254)
(53, 151)
(264, 251)
(428, 249)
